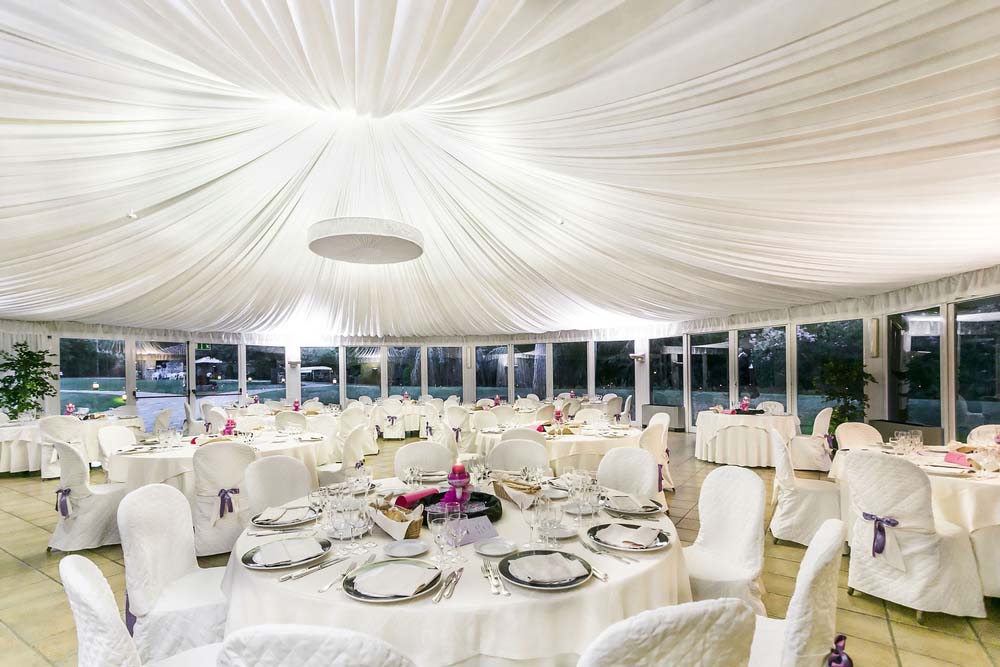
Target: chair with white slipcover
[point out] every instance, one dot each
(425, 398)
(275, 480)
(711, 633)
(812, 452)
(651, 441)
(727, 557)
(125, 411)
(365, 400)
(663, 419)
(393, 426)
(589, 416)
(902, 552)
(806, 633)
(257, 410)
(192, 425)
(484, 403)
(545, 413)
(613, 408)
(330, 448)
(563, 396)
(525, 404)
(219, 509)
(161, 422)
(516, 454)
(571, 407)
(352, 451)
(429, 456)
(102, 638)
(534, 397)
(204, 405)
(289, 420)
(803, 505)
(307, 646)
(504, 414)
(86, 513)
(395, 397)
(608, 397)
(526, 433)
(274, 406)
(112, 439)
(450, 401)
(483, 419)
(350, 419)
(58, 428)
(215, 420)
(457, 421)
(771, 407)
(438, 404)
(629, 470)
(430, 419)
(625, 416)
(176, 605)
(983, 435)
(857, 435)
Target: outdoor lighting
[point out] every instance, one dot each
(96, 385)
(125, 397)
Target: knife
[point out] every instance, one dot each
(312, 568)
(447, 582)
(454, 582)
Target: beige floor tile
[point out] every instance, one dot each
(908, 659)
(787, 568)
(860, 602)
(988, 630)
(776, 583)
(776, 605)
(865, 653)
(951, 625)
(939, 645)
(867, 627)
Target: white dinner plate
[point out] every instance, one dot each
(559, 532)
(496, 547)
(406, 549)
(554, 494)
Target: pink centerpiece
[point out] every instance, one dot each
(459, 481)
(256, 398)
(295, 405)
(572, 394)
(406, 395)
(540, 429)
(745, 403)
(230, 427)
(496, 400)
(70, 408)
(557, 415)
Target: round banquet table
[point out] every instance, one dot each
(90, 427)
(176, 466)
(19, 446)
(583, 449)
(473, 627)
(266, 422)
(715, 441)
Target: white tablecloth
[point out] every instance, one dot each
(715, 442)
(92, 426)
(532, 627)
(19, 450)
(584, 449)
(176, 466)
(266, 422)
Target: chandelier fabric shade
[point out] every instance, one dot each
(365, 240)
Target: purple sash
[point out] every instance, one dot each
(391, 419)
(378, 430)
(837, 657)
(458, 433)
(62, 502)
(878, 542)
(429, 430)
(225, 501)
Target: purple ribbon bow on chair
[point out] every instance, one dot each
(391, 419)
(458, 433)
(62, 502)
(429, 430)
(618, 417)
(225, 501)
(359, 464)
(837, 657)
(378, 430)
(878, 542)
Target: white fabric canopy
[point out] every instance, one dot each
(571, 165)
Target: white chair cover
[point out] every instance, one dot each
(275, 480)
(803, 505)
(275, 406)
(365, 400)
(425, 398)
(608, 397)
(663, 419)
(161, 422)
(353, 450)
(484, 419)
(727, 557)
(457, 421)
(215, 419)
(546, 413)
(258, 410)
(613, 407)
(350, 419)
(176, 604)
(111, 439)
(504, 414)
(331, 448)
(394, 397)
(855, 435)
(219, 468)
(524, 434)
(428, 455)
(925, 563)
(289, 420)
(450, 401)
(204, 405)
(57, 428)
(525, 404)
(307, 646)
(571, 407)
(983, 435)
(534, 397)
(393, 424)
(484, 403)
(86, 513)
(438, 404)
(430, 420)
(564, 396)
(629, 470)
(771, 407)
(625, 416)
(589, 416)
(192, 425)
(812, 452)
(806, 634)
(712, 633)
(651, 441)
(516, 454)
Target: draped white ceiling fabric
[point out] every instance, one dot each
(570, 164)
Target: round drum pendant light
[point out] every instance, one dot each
(365, 240)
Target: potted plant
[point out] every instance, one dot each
(843, 382)
(26, 378)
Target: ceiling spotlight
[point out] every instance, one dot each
(132, 215)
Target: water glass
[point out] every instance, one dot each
(436, 523)
(551, 521)
(455, 530)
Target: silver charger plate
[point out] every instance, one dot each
(662, 539)
(655, 508)
(351, 590)
(248, 562)
(504, 568)
(313, 515)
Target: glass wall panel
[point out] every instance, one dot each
(569, 368)
(92, 374)
(444, 372)
(491, 372)
(266, 372)
(216, 369)
(830, 364)
(529, 370)
(915, 367)
(364, 372)
(404, 370)
(161, 380)
(977, 364)
(614, 371)
(666, 371)
(761, 362)
(709, 372)
(320, 374)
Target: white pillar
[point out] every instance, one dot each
(293, 372)
(642, 389)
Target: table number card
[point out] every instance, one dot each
(480, 528)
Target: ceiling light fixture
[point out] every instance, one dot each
(362, 240)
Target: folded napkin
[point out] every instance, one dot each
(410, 500)
(625, 503)
(958, 459)
(283, 515)
(547, 569)
(395, 521)
(288, 551)
(434, 474)
(957, 446)
(396, 580)
(523, 499)
(628, 537)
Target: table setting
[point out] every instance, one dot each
(458, 555)
(716, 441)
(569, 443)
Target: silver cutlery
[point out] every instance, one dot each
(312, 568)
(272, 533)
(343, 575)
(599, 574)
(447, 582)
(454, 583)
(496, 573)
(601, 552)
(488, 575)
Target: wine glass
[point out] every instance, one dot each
(533, 515)
(551, 522)
(456, 529)
(436, 523)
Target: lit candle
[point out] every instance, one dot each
(458, 469)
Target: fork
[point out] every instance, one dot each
(488, 575)
(602, 552)
(350, 568)
(496, 574)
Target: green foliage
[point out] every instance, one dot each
(27, 380)
(842, 382)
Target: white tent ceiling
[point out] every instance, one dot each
(571, 165)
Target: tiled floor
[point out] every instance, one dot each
(36, 627)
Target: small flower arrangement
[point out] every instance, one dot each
(745, 403)
(70, 408)
(296, 405)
